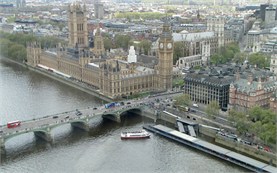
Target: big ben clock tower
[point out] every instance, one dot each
(165, 65)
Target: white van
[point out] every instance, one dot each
(195, 105)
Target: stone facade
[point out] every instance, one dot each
(77, 25)
(197, 44)
(98, 48)
(112, 76)
(189, 61)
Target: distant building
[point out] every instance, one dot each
(20, 3)
(270, 15)
(216, 24)
(269, 47)
(253, 40)
(234, 29)
(98, 10)
(262, 11)
(196, 45)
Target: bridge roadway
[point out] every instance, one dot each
(41, 127)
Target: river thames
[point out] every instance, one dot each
(26, 95)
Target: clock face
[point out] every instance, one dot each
(169, 45)
(161, 45)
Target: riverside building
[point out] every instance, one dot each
(113, 77)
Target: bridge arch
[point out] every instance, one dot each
(111, 116)
(81, 124)
(137, 111)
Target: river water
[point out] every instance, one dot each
(26, 95)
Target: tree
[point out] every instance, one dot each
(239, 57)
(108, 44)
(261, 122)
(14, 45)
(226, 54)
(178, 51)
(255, 113)
(146, 46)
(259, 59)
(216, 58)
(212, 109)
(122, 41)
(178, 82)
(182, 100)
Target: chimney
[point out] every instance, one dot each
(250, 79)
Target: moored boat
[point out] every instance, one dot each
(135, 135)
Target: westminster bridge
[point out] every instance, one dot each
(42, 127)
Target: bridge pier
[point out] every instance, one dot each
(81, 125)
(2, 147)
(46, 135)
(117, 118)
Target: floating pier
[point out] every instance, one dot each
(212, 149)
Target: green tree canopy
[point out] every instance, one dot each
(178, 82)
(239, 57)
(259, 121)
(14, 45)
(225, 54)
(108, 44)
(122, 41)
(140, 15)
(259, 59)
(212, 109)
(182, 100)
(178, 51)
(146, 46)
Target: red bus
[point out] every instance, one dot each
(13, 124)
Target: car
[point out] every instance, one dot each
(78, 113)
(195, 105)
(67, 117)
(192, 110)
(55, 116)
(128, 103)
(94, 108)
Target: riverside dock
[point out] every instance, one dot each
(225, 154)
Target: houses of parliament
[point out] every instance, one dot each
(113, 77)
